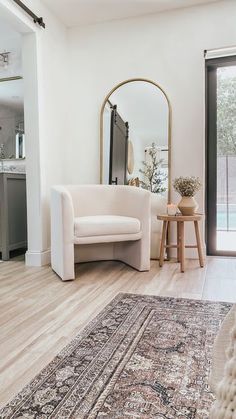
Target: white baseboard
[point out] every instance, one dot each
(38, 258)
(193, 253)
(44, 258)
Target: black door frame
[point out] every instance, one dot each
(211, 152)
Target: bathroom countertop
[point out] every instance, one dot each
(16, 166)
(12, 172)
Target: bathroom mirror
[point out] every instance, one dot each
(12, 137)
(135, 137)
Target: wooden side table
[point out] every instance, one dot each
(180, 246)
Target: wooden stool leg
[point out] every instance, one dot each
(199, 244)
(163, 239)
(178, 242)
(182, 247)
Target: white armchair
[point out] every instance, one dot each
(99, 222)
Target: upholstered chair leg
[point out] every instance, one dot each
(63, 262)
(134, 253)
(62, 234)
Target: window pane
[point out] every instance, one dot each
(226, 158)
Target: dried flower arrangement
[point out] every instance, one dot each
(187, 186)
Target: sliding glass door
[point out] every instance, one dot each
(221, 156)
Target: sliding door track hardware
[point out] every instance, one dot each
(35, 18)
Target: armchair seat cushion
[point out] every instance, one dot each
(105, 225)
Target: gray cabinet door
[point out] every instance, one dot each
(13, 213)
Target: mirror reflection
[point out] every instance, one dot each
(135, 137)
(12, 136)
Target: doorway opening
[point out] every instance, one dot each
(13, 213)
(221, 156)
(19, 136)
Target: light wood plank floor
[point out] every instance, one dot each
(39, 314)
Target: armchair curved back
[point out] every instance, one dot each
(108, 200)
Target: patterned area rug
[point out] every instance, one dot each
(141, 357)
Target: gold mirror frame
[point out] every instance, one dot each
(169, 126)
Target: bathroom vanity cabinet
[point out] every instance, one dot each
(13, 216)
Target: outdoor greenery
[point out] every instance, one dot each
(226, 112)
(187, 186)
(154, 178)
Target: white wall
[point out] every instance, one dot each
(52, 81)
(166, 48)
(10, 40)
(45, 76)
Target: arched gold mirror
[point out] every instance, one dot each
(135, 136)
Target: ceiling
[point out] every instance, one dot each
(82, 12)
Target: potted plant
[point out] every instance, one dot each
(187, 187)
(154, 178)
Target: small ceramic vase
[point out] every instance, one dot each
(188, 205)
